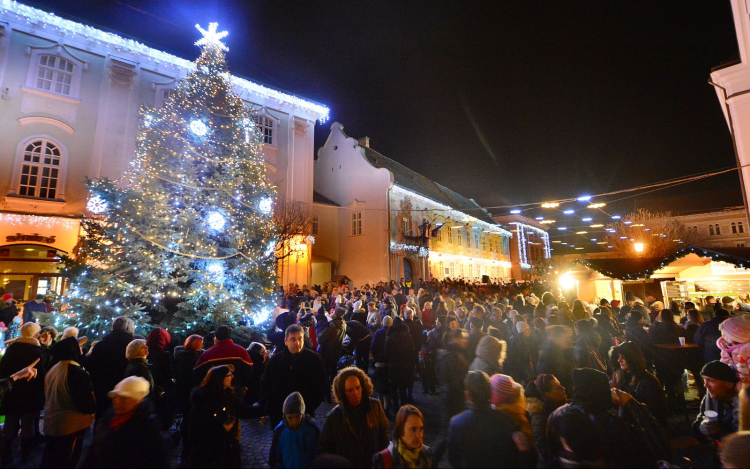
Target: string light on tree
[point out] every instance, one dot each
(158, 238)
(97, 205)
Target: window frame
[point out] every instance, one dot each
(59, 52)
(356, 225)
(15, 187)
(269, 124)
(315, 224)
(717, 229)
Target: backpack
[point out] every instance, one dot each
(387, 458)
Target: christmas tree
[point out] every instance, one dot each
(186, 240)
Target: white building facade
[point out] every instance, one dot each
(722, 229)
(531, 247)
(374, 220)
(70, 96)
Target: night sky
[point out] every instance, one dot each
(505, 102)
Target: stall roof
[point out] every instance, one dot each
(636, 268)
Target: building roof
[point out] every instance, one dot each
(636, 268)
(81, 34)
(422, 185)
(319, 198)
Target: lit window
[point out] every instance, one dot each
(265, 126)
(54, 74)
(357, 224)
(40, 170)
(315, 224)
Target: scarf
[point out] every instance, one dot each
(410, 457)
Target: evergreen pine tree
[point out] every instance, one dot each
(186, 239)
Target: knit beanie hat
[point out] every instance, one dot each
(504, 389)
(30, 329)
(294, 404)
(629, 296)
(591, 389)
(718, 370)
(737, 329)
(7, 297)
(123, 324)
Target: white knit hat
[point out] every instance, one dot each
(132, 387)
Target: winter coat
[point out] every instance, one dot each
(7, 313)
(706, 336)
(539, 412)
(295, 448)
(159, 359)
(728, 416)
(480, 437)
(649, 391)
(399, 354)
(425, 460)
(107, 364)
(356, 434)
(286, 373)
(620, 443)
(26, 396)
(210, 444)
(139, 367)
(488, 356)
(586, 352)
(471, 348)
(136, 443)
(634, 333)
(378, 345)
(452, 369)
(668, 366)
(518, 363)
(331, 341)
(184, 362)
(31, 309)
(415, 331)
(225, 352)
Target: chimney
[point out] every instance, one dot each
(364, 142)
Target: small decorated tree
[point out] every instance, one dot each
(187, 240)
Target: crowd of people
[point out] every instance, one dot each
(524, 377)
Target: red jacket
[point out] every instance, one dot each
(225, 352)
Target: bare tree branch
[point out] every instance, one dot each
(293, 222)
(660, 233)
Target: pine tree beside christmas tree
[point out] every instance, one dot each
(188, 243)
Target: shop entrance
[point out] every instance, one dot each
(408, 269)
(29, 270)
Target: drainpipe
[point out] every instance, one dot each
(734, 139)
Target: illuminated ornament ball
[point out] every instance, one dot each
(97, 205)
(216, 221)
(198, 128)
(265, 205)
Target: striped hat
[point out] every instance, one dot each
(737, 329)
(504, 389)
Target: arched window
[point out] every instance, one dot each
(740, 227)
(734, 228)
(40, 169)
(718, 229)
(711, 230)
(54, 74)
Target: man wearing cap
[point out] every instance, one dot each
(21, 405)
(128, 434)
(225, 352)
(34, 307)
(631, 303)
(727, 303)
(69, 406)
(107, 362)
(721, 402)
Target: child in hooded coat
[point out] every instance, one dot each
(295, 439)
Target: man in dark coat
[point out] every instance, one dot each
(359, 342)
(416, 329)
(708, 333)
(107, 361)
(634, 333)
(23, 403)
(331, 342)
(481, 437)
(295, 369)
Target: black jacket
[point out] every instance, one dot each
(357, 442)
(399, 354)
(452, 368)
(136, 443)
(26, 396)
(706, 336)
(184, 362)
(287, 373)
(479, 437)
(107, 365)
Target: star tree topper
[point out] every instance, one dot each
(211, 38)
